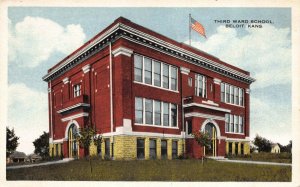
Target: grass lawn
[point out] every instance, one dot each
(266, 157)
(153, 170)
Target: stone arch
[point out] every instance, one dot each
(71, 122)
(214, 123)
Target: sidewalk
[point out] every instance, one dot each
(65, 160)
(256, 162)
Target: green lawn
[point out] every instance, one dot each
(266, 157)
(153, 170)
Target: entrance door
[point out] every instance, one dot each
(211, 149)
(73, 144)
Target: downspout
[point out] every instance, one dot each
(111, 99)
(51, 125)
(182, 117)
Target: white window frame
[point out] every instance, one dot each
(161, 74)
(77, 90)
(197, 85)
(162, 114)
(234, 121)
(230, 100)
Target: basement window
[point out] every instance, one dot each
(164, 150)
(140, 148)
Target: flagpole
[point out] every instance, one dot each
(190, 29)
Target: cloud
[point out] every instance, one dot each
(33, 40)
(270, 120)
(27, 113)
(264, 52)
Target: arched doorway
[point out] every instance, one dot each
(72, 142)
(211, 130)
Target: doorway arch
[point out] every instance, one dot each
(212, 129)
(72, 131)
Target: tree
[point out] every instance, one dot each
(289, 146)
(86, 137)
(11, 141)
(263, 144)
(41, 145)
(202, 139)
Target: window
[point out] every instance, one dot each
(152, 149)
(77, 90)
(157, 113)
(174, 149)
(190, 81)
(140, 148)
(173, 78)
(148, 70)
(138, 68)
(241, 124)
(242, 148)
(157, 74)
(149, 111)
(166, 114)
(200, 85)
(164, 150)
(236, 124)
(189, 127)
(227, 120)
(107, 147)
(232, 94)
(166, 76)
(231, 123)
(241, 97)
(236, 151)
(173, 115)
(230, 148)
(227, 100)
(236, 95)
(139, 110)
(56, 150)
(222, 92)
(152, 112)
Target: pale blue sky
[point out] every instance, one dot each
(270, 95)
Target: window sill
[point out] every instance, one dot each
(175, 91)
(235, 133)
(233, 104)
(158, 126)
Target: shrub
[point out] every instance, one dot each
(107, 158)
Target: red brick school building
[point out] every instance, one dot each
(145, 94)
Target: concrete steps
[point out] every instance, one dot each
(217, 157)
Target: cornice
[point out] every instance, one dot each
(124, 31)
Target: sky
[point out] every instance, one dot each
(40, 37)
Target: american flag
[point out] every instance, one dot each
(197, 27)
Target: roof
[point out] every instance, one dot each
(124, 28)
(34, 156)
(274, 144)
(17, 154)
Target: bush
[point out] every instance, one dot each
(183, 156)
(107, 158)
